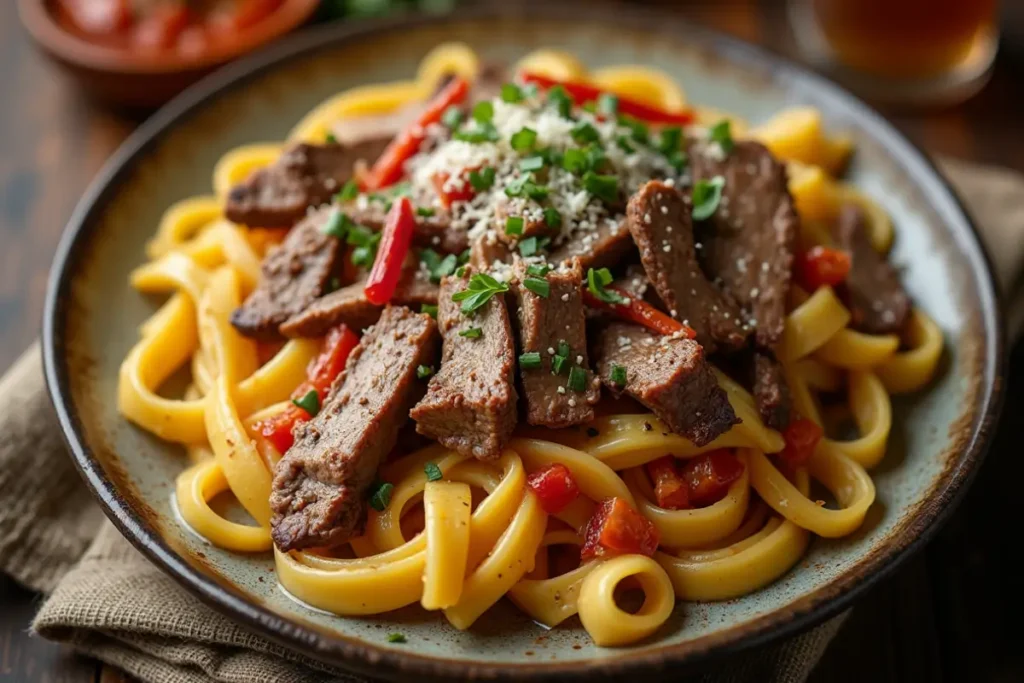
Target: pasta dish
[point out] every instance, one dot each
(528, 331)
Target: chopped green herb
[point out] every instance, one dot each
(604, 187)
(452, 117)
(597, 281)
(425, 211)
(638, 130)
(670, 139)
(608, 104)
(559, 364)
(595, 157)
(460, 271)
(524, 140)
(678, 160)
(331, 140)
(564, 349)
(530, 361)
(618, 375)
(472, 333)
(721, 133)
(483, 133)
(349, 191)
(530, 90)
(310, 402)
(424, 371)
(706, 196)
(531, 245)
(337, 225)
(366, 242)
(514, 225)
(577, 379)
(380, 495)
(396, 638)
(560, 100)
(539, 269)
(433, 473)
(552, 218)
(524, 186)
(551, 155)
(463, 257)
(479, 290)
(584, 133)
(511, 93)
(623, 143)
(575, 160)
(437, 266)
(483, 111)
(333, 284)
(534, 163)
(538, 286)
(481, 180)
(429, 309)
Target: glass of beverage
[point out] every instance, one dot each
(923, 52)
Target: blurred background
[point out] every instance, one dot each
(77, 76)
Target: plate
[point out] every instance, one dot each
(91, 320)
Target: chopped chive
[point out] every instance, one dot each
(531, 245)
(575, 160)
(597, 280)
(511, 93)
(432, 471)
(534, 163)
(558, 98)
(452, 117)
(618, 375)
(623, 143)
(349, 191)
(472, 333)
(396, 638)
(429, 309)
(337, 225)
(425, 211)
(678, 160)
(525, 186)
(460, 271)
(539, 269)
(310, 402)
(438, 267)
(463, 257)
(637, 130)
(551, 155)
(514, 225)
(564, 349)
(538, 286)
(577, 379)
(482, 179)
(552, 218)
(584, 133)
(380, 495)
(721, 133)
(524, 140)
(608, 104)
(706, 196)
(530, 361)
(595, 157)
(670, 139)
(424, 371)
(483, 112)
(530, 90)
(558, 364)
(604, 187)
(331, 140)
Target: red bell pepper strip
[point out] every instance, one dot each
(819, 266)
(395, 240)
(802, 437)
(320, 375)
(582, 93)
(670, 489)
(554, 487)
(388, 168)
(708, 476)
(639, 311)
(617, 529)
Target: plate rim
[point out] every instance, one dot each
(802, 613)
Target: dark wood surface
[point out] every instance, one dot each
(950, 614)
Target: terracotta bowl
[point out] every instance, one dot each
(146, 81)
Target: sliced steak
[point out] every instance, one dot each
(349, 305)
(484, 252)
(319, 491)
(306, 175)
(878, 303)
(771, 393)
(748, 243)
(293, 274)
(434, 231)
(659, 219)
(602, 247)
(544, 323)
(669, 375)
(470, 404)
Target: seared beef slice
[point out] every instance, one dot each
(748, 243)
(771, 393)
(306, 175)
(602, 247)
(545, 322)
(669, 375)
(878, 303)
(320, 485)
(659, 220)
(470, 404)
(292, 275)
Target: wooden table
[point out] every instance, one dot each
(946, 615)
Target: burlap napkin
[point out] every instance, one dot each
(107, 601)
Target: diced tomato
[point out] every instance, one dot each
(670, 489)
(617, 529)
(453, 194)
(160, 27)
(98, 17)
(320, 374)
(388, 168)
(639, 311)
(802, 437)
(582, 93)
(709, 475)
(395, 240)
(820, 266)
(554, 486)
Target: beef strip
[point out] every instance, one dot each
(600, 248)
(306, 175)
(747, 245)
(485, 251)
(771, 393)
(293, 274)
(543, 324)
(470, 404)
(877, 301)
(434, 231)
(319, 491)
(349, 305)
(659, 219)
(669, 375)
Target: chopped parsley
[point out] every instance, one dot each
(472, 333)
(365, 242)
(538, 286)
(337, 225)
(524, 140)
(425, 212)
(577, 379)
(432, 471)
(514, 225)
(597, 281)
(479, 291)
(429, 309)
(608, 104)
(310, 402)
(483, 111)
(452, 117)
(424, 371)
(331, 140)
(531, 245)
(618, 375)
(396, 638)
(380, 495)
(348, 192)
(437, 266)
(530, 360)
(560, 100)
(604, 187)
(721, 133)
(534, 163)
(559, 364)
(482, 179)
(511, 93)
(706, 196)
(539, 269)
(552, 218)
(585, 133)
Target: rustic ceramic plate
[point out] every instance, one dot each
(92, 318)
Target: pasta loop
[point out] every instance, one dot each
(607, 623)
